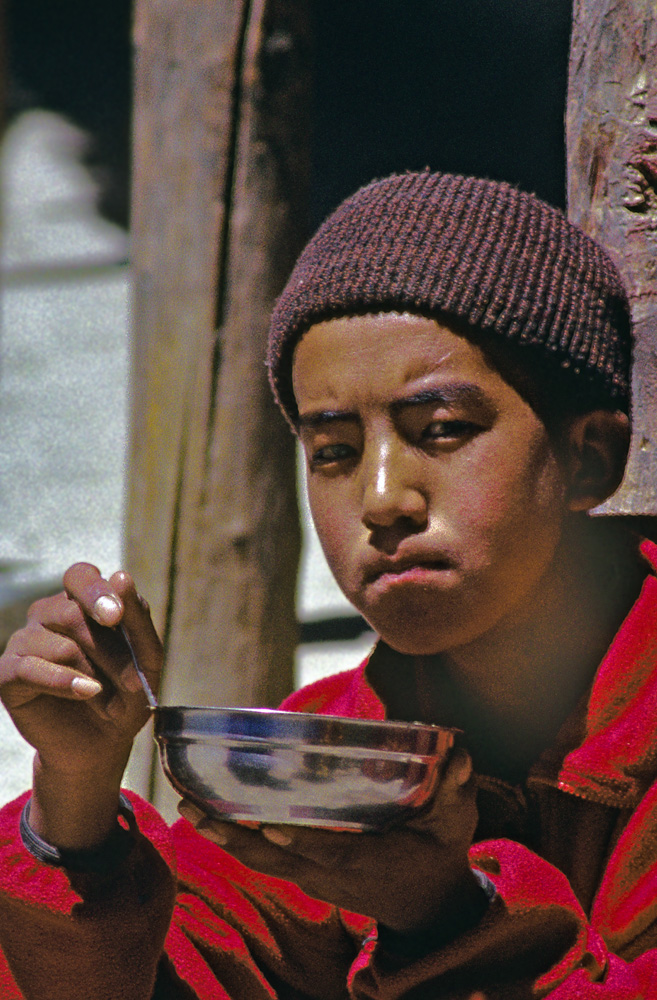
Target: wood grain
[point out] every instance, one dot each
(611, 133)
(221, 173)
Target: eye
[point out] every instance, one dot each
(331, 454)
(448, 430)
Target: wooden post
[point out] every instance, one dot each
(221, 172)
(4, 66)
(611, 133)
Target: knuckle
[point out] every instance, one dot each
(35, 608)
(79, 569)
(24, 668)
(20, 670)
(65, 650)
(338, 855)
(25, 639)
(45, 607)
(69, 617)
(14, 644)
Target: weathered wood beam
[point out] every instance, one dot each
(221, 173)
(611, 133)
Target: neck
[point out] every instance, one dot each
(511, 690)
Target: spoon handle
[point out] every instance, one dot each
(152, 700)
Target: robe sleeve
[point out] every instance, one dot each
(177, 919)
(534, 941)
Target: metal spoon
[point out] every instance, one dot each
(152, 700)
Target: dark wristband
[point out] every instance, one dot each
(96, 860)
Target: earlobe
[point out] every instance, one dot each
(598, 443)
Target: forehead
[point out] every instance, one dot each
(366, 357)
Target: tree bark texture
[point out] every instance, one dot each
(221, 172)
(611, 132)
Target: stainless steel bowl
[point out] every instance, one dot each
(290, 767)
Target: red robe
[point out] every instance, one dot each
(573, 854)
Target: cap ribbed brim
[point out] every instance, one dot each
(492, 257)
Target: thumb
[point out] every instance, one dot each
(458, 770)
(452, 805)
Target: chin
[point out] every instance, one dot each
(410, 648)
(417, 635)
(418, 645)
(426, 626)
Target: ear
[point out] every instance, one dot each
(597, 444)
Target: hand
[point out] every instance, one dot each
(408, 878)
(67, 681)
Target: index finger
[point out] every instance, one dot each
(97, 598)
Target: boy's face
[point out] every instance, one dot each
(437, 494)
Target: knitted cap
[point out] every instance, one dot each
(499, 260)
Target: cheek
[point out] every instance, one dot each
(518, 506)
(336, 531)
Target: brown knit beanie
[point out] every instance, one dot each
(493, 258)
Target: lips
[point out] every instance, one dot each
(407, 567)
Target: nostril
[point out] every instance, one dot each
(383, 509)
(387, 538)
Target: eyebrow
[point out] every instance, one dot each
(453, 392)
(319, 417)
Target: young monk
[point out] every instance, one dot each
(454, 357)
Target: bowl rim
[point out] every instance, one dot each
(354, 722)
(278, 726)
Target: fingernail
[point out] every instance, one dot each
(276, 836)
(106, 610)
(190, 812)
(85, 687)
(213, 832)
(203, 823)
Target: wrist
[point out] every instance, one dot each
(74, 811)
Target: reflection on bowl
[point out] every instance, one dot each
(293, 767)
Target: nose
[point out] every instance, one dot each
(391, 492)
